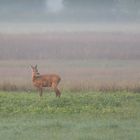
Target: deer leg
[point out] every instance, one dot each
(57, 92)
(40, 92)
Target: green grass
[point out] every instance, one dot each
(74, 116)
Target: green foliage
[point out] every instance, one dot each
(90, 102)
(77, 115)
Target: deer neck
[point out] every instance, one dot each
(35, 76)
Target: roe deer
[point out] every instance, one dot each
(47, 80)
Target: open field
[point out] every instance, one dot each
(100, 86)
(76, 115)
(99, 75)
(100, 61)
(70, 45)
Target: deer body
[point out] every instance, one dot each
(47, 80)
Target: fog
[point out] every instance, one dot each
(17, 28)
(90, 43)
(54, 6)
(51, 26)
(69, 11)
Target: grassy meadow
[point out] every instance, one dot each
(100, 86)
(76, 115)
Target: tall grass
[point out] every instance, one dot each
(77, 75)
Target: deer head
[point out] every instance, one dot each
(35, 70)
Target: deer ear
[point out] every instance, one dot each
(36, 66)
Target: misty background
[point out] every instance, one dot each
(68, 29)
(69, 10)
(90, 43)
(44, 15)
(55, 29)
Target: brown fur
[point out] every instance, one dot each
(47, 80)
